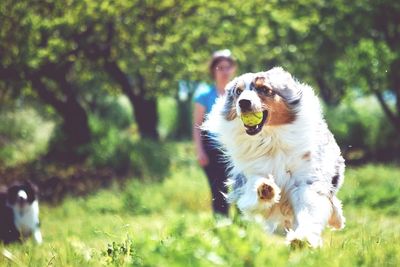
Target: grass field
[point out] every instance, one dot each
(169, 223)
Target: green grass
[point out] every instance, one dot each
(170, 224)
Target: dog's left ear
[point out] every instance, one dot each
(229, 109)
(283, 83)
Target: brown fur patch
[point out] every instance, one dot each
(278, 111)
(307, 156)
(335, 222)
(231, 115)
(259, 82)
(285, 206)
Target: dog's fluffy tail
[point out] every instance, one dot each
(337, 220)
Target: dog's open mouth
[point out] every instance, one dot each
(255, 129)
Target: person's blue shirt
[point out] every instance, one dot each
(206, 96)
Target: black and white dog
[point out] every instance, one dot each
(19, 213)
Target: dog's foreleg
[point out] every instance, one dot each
(259, 194)
(267, 191)
(311, 213)
(37, 236)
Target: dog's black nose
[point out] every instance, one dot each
(245, 105)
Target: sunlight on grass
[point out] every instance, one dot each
(170, 224)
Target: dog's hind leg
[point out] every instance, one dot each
(337, 220)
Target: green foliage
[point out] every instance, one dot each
(150, 159)
(336, 46)
(359, 123)
(366, 65)
(109, 146)
(23, 135)
(122, 253)
(122, 151)
(112, 144)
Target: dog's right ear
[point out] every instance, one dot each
(31, 189)
(229, 109)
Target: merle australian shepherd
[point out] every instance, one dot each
(287, 168)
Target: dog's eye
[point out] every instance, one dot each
(238, 91)
(266, 91)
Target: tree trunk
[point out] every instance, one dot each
(184, 120)
(327, 94)
(144, 108)
(393, 118)
(75, 126)
(395, 83)
(145, 111)
(184, 113)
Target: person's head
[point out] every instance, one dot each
(222, 66)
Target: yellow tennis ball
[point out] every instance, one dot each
(252, 119)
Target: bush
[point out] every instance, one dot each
(115, 110)
(362, 130)
(119, 150)
(23, 134)
(119, 254)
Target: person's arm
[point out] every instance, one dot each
(198, 117)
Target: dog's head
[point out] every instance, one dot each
(20, 196)
(274, 93)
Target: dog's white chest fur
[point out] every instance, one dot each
(26, 220)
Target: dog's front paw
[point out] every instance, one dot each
(300, 239)
(268, 191)
(265, 192)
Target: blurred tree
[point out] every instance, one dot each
(37, 57)
(44, 47)
(366, 66)
(136, 43)
(144, 48)
(371, 58)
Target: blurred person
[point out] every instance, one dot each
(222, 68)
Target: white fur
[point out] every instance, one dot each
(26, 220)
(279, 151)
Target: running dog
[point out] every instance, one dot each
(286, 167)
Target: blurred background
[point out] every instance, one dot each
(100, 83)
(93, 92)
